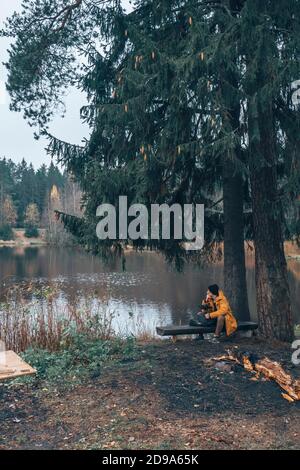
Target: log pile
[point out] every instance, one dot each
(271, 370)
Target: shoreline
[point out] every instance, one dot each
(21, 241)
(17, 244)
(292, 251)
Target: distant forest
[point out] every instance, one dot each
(28, 196)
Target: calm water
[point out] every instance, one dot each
(148, 289)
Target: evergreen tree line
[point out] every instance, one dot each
(189, 102)
(27, 196)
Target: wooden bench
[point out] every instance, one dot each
(176, 330)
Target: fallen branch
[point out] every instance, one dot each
(270, 369)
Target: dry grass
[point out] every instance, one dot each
(37, 317)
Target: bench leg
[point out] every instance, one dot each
(199, 337)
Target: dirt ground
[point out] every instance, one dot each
(168, 398)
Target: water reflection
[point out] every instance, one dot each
(149, 288)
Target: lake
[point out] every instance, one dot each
(149, 290)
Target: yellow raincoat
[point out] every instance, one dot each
(223, 308)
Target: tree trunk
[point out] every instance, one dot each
(272, 289)
(233, 202)
(234, 252)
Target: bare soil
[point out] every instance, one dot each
(170, 397)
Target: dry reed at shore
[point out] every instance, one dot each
(39, 317)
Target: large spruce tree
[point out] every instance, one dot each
(185, 97)
(270, 43)
(145, 73)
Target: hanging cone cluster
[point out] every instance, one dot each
(138, 60)
(143, 153)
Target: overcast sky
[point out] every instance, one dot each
(16, 137)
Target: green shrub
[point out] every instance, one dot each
(31, 232)
(82, 359)
(6, 233)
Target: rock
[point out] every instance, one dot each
(223, 366)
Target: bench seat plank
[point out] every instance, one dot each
(12, 366)
(175, 330)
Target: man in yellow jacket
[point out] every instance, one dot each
(222, 312)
